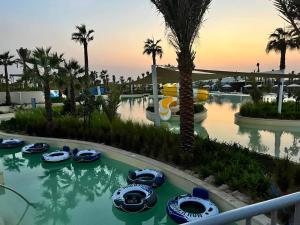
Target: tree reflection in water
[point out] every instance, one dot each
(255, 143)
(11, 160)
(293, 150)
(65, 187)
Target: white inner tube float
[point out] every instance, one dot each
(35, 148)
(189, 208)
(10, 143)
(148, 177)
(134, 198)
(85, 155)
(57, 156)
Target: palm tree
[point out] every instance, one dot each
(24, 56)
(45, 68)
(61, 82)
(152, 48)
(84, 36)
(184, 19)
(280, 41)
(122, 80)
(7, 60)
(129, 79)
(72, 70)
(290, 12)
(94, 76)
(103, 75)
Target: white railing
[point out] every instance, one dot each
(246, 213)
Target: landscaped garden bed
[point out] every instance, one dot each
(231, 164)
(290, 111)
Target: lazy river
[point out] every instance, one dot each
(71, 193)
(220, 125)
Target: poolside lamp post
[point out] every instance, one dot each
(155, 96)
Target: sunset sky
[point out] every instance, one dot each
(233, 37)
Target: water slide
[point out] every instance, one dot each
(172, 91)
(164, 108)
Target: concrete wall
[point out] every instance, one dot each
(23, 97)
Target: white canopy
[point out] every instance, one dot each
(293, 86)
(226, 86)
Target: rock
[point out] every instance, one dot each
(211, 179)
(224, 187)
(242, 197)
(189, 172)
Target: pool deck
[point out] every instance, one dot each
(179, 178)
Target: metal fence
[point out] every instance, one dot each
(248, 212)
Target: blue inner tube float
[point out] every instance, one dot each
(189, 208)
(85, 155)
(35, 148)
(57, 156)
(134, 198)
(148, 177)
(10, 143)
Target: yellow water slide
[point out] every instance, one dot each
(201, 95)
(173, 91)
(164, 108)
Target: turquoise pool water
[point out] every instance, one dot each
(71, 193)
(220, 125)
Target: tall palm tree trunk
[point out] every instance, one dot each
(154, 58)
(24, 73)
(8, 100)
(72, 97)
(48, 104)
(86, 59)
(186, 65)
(282, 59)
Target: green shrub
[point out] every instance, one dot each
(269, 110)
(231, 164)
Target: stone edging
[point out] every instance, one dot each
(178, 177)
(266, 122)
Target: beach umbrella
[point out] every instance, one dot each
(226, 86)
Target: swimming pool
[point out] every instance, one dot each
(220, 125)
(71, 193)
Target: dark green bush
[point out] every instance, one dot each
(269, 110)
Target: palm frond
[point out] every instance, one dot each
(183, 18)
